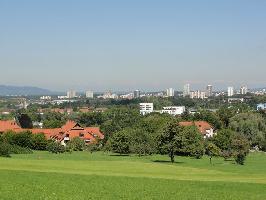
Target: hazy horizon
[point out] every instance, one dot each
(121, 46)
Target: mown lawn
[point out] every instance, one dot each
(82, 175)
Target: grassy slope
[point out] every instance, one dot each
(98, 176)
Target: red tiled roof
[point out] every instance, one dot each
(203, 126)
(95, 131)
(9, 125)
(71, 128)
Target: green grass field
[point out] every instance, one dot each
(82, 175)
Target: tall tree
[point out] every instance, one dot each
(170, 140)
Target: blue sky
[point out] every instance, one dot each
(126, 45)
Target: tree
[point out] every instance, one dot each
(225, 114)
(141, 142)
(25, 121)
(212, 151)
(76, 144)
(55, 147)
(251, 125)
(170, 140)
(240, 146)
(23, 139)
(192, 142)
(208, 116)
(223, 140)
(53, 120)
(39, 142)
(4, 149)
(120, 142)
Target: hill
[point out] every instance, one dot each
(23, 91)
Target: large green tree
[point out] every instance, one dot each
(251, 125)
(170, 140)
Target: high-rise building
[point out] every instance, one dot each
(136, 94)
(71, 94)
(186, 91)
(209, 90)
(243, 90)
(230, 91)
(170, 92)
(89, 94)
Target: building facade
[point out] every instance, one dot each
(71, 94)
(174, 110)
(186, 91)
(136, 94)
(146, 108)
(230, 91)
(243, 90)
(89, 94)
(209, 90)
(170, 92)
(197, 95)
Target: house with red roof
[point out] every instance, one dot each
(63, 135)
(204, 127)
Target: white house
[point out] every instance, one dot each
(146, 108)
(174, 110)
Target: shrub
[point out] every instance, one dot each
(7, 149)
(76, 144)
(240, 158)
(4, 150)
(39, 142)
(23, 139)
(15, 149)
(55, 147)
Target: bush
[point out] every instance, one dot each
(240, 158)
(23, 139)
(39, 142)
(4, 150)
(120, 142)
(55, 147)
(76, 144)
(7, 149)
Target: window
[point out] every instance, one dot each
(81, 134)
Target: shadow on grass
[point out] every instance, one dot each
(167, 161)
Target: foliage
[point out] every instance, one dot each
(192, 142)
(223, 140)
(53, 120)
(251, 125)
(4, 149)
(120, 142)
(91, 119)
(76, 144)
(23, 139)
(212, 151)
(24, 120)
(39, 142)
(170, 140)
(55, 147)
(240, 146)
(141, 142)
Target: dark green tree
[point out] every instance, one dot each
(192, 142)
(120, 142)
(212, 151)
(170, 140)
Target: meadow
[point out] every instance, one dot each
(82, 175)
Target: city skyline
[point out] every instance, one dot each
(132, 45)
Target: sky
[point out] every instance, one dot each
(135, 44)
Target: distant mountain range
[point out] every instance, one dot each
(23, 91)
